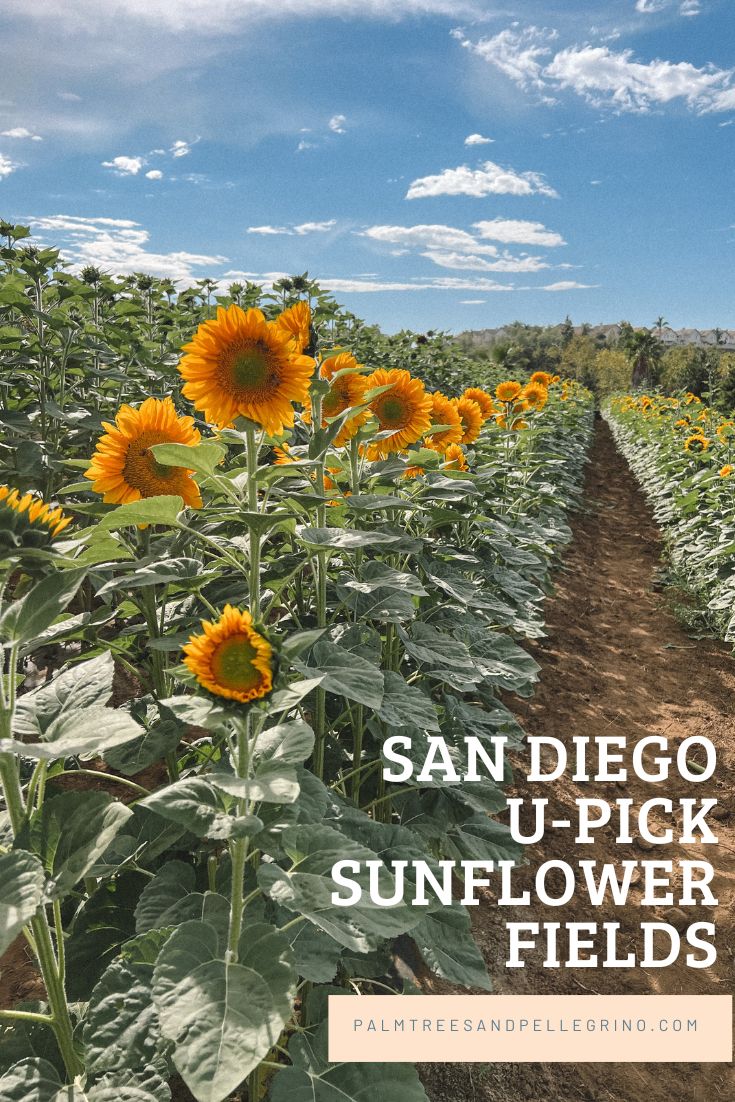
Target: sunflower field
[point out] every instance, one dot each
(683, 453)
(242, 545)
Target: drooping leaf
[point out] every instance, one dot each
(22, 881)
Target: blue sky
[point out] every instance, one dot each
(439, 163)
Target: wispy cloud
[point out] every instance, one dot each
(208, 19)
(602, 76)
(154, 174)
(568, 285)
(452, 247)
(181, 148)
(488, 179)
(119, 246)
(478, 139)
(338, 124)
(294, 231)
(20, 132)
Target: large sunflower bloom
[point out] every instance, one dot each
(536, 394)
(444, 412)
(696, 443)
(508, 391)
(296, 321)
(123, 467)
(471, 417)
(454, 459)
(344, 392)
(483, 399)
(404, 410)
(231, 658)
(27, 521)
(239, 364)
(542, 377)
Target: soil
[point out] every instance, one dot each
(615, 662)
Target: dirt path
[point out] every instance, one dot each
(615, 662)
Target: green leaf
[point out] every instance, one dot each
(343, 539)
(157, 741)
(22, 882)
(306, 888)
(81, 686)
(446, 943)
(31, 1080)
(197, 805)
(172, 898)
(150, 510)
(27, 617)
(201, 458)
(406, 706)
(311, 1078)
(222, 1017)
(69, 833)
(83, 734)
(103, 923)
(346, 674)
(121, 1027)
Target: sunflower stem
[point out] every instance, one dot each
(239, 847)
(252, 461)
(322, 566)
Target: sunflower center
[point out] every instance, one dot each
(142, 470)
(232, 664)
(250, 369)
(392, 411)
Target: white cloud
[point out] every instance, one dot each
(301, 230)
(20, 132)
(477, 139)
(690, 7)
(489, 179)
(472, 302)
(7, 166)
(208, 19)
(512, 231)
(650, 6)
(428, 236)
(70, 97)
(118, 246)
(154, 174)
(568, 285)
(474, 263)
(338, 124)
(125, 166)
(605, 77)
(180, 148)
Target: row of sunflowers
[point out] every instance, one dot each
(250, 587)
(683, 453)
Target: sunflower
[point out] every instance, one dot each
(27, 521)
(444, 412)
(507, 392)
(404, 410)
(345, 392)
(296, 321)
(231, 658)
(483, 399)
(239, 364)
(543, 377)
(726, 471)
(454, 459)
(471, 417)
(535, 394)
(123, 467)
(696, 443)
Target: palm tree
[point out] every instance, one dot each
(644, 351)
(659, 324)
